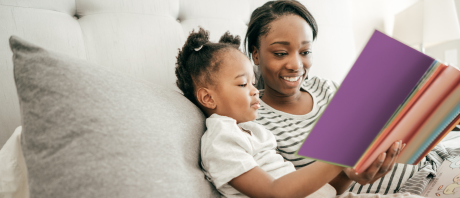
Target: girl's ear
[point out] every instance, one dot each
(205, 98)
(255, 55)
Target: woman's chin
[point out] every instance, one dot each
(285, 91)
(290, 90)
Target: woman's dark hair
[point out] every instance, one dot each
(259, 24)
(199, 59)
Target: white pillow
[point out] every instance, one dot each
(13, 170)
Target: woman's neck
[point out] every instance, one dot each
(300, 103)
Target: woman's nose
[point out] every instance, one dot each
(295, 63)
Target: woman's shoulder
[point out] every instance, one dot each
(315, 81)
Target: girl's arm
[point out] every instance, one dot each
(301, 183)
(305, 181)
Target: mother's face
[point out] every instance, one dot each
(284, 54)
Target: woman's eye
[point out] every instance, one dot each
(243, 85)
(280, 54)
(306, 53)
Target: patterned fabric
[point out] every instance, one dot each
(389, 183)
(428, 170)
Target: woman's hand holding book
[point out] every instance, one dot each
(380, 167)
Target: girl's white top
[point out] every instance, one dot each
(227, 152)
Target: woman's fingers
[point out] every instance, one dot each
(388, 164)
(393, 153)
(380, 167)
(369, 175)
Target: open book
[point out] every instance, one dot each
(392, 92)
(447, 180)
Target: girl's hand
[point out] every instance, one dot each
(381, 166)
(301, 183)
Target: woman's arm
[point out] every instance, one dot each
(301, 183)
(341, 183)
(381, 166)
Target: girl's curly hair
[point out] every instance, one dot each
(199, 59)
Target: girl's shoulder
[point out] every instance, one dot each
(218, 127)
(313, 82)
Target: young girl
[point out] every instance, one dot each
(238, 156)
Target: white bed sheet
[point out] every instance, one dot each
(452, 140)
(13, 172)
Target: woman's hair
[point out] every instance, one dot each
(259, 24)
(199, 60)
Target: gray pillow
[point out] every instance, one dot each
(92, 132)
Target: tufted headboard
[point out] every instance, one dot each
(141, 37)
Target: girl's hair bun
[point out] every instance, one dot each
(199, 59)
(197, 39)
(228, 38)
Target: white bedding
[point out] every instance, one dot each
(452, 140)
(13, 172)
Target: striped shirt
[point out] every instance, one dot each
(290, 131)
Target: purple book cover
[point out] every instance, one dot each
(382, 77)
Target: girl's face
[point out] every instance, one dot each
(234, 93)
(284, 54)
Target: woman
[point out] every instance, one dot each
(279, 40)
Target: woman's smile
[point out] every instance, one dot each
(292, 80)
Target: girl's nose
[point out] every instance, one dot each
(254, 92)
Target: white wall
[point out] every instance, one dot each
(334, 49)
(369, 15)
(439, 51)
(379, 14)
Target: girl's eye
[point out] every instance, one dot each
(243, 85)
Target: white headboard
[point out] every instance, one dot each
(141, 37)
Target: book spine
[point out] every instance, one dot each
(448, 120)
(435, 118)
(438, 139)
(418, 113)
(435, 70)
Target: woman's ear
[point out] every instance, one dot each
(204, 97)
(255, 55)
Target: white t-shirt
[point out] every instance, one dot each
(227, 152)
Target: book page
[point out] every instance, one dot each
(447, 180)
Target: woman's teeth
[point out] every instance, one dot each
(291, 79)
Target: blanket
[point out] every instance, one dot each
(449, 147)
